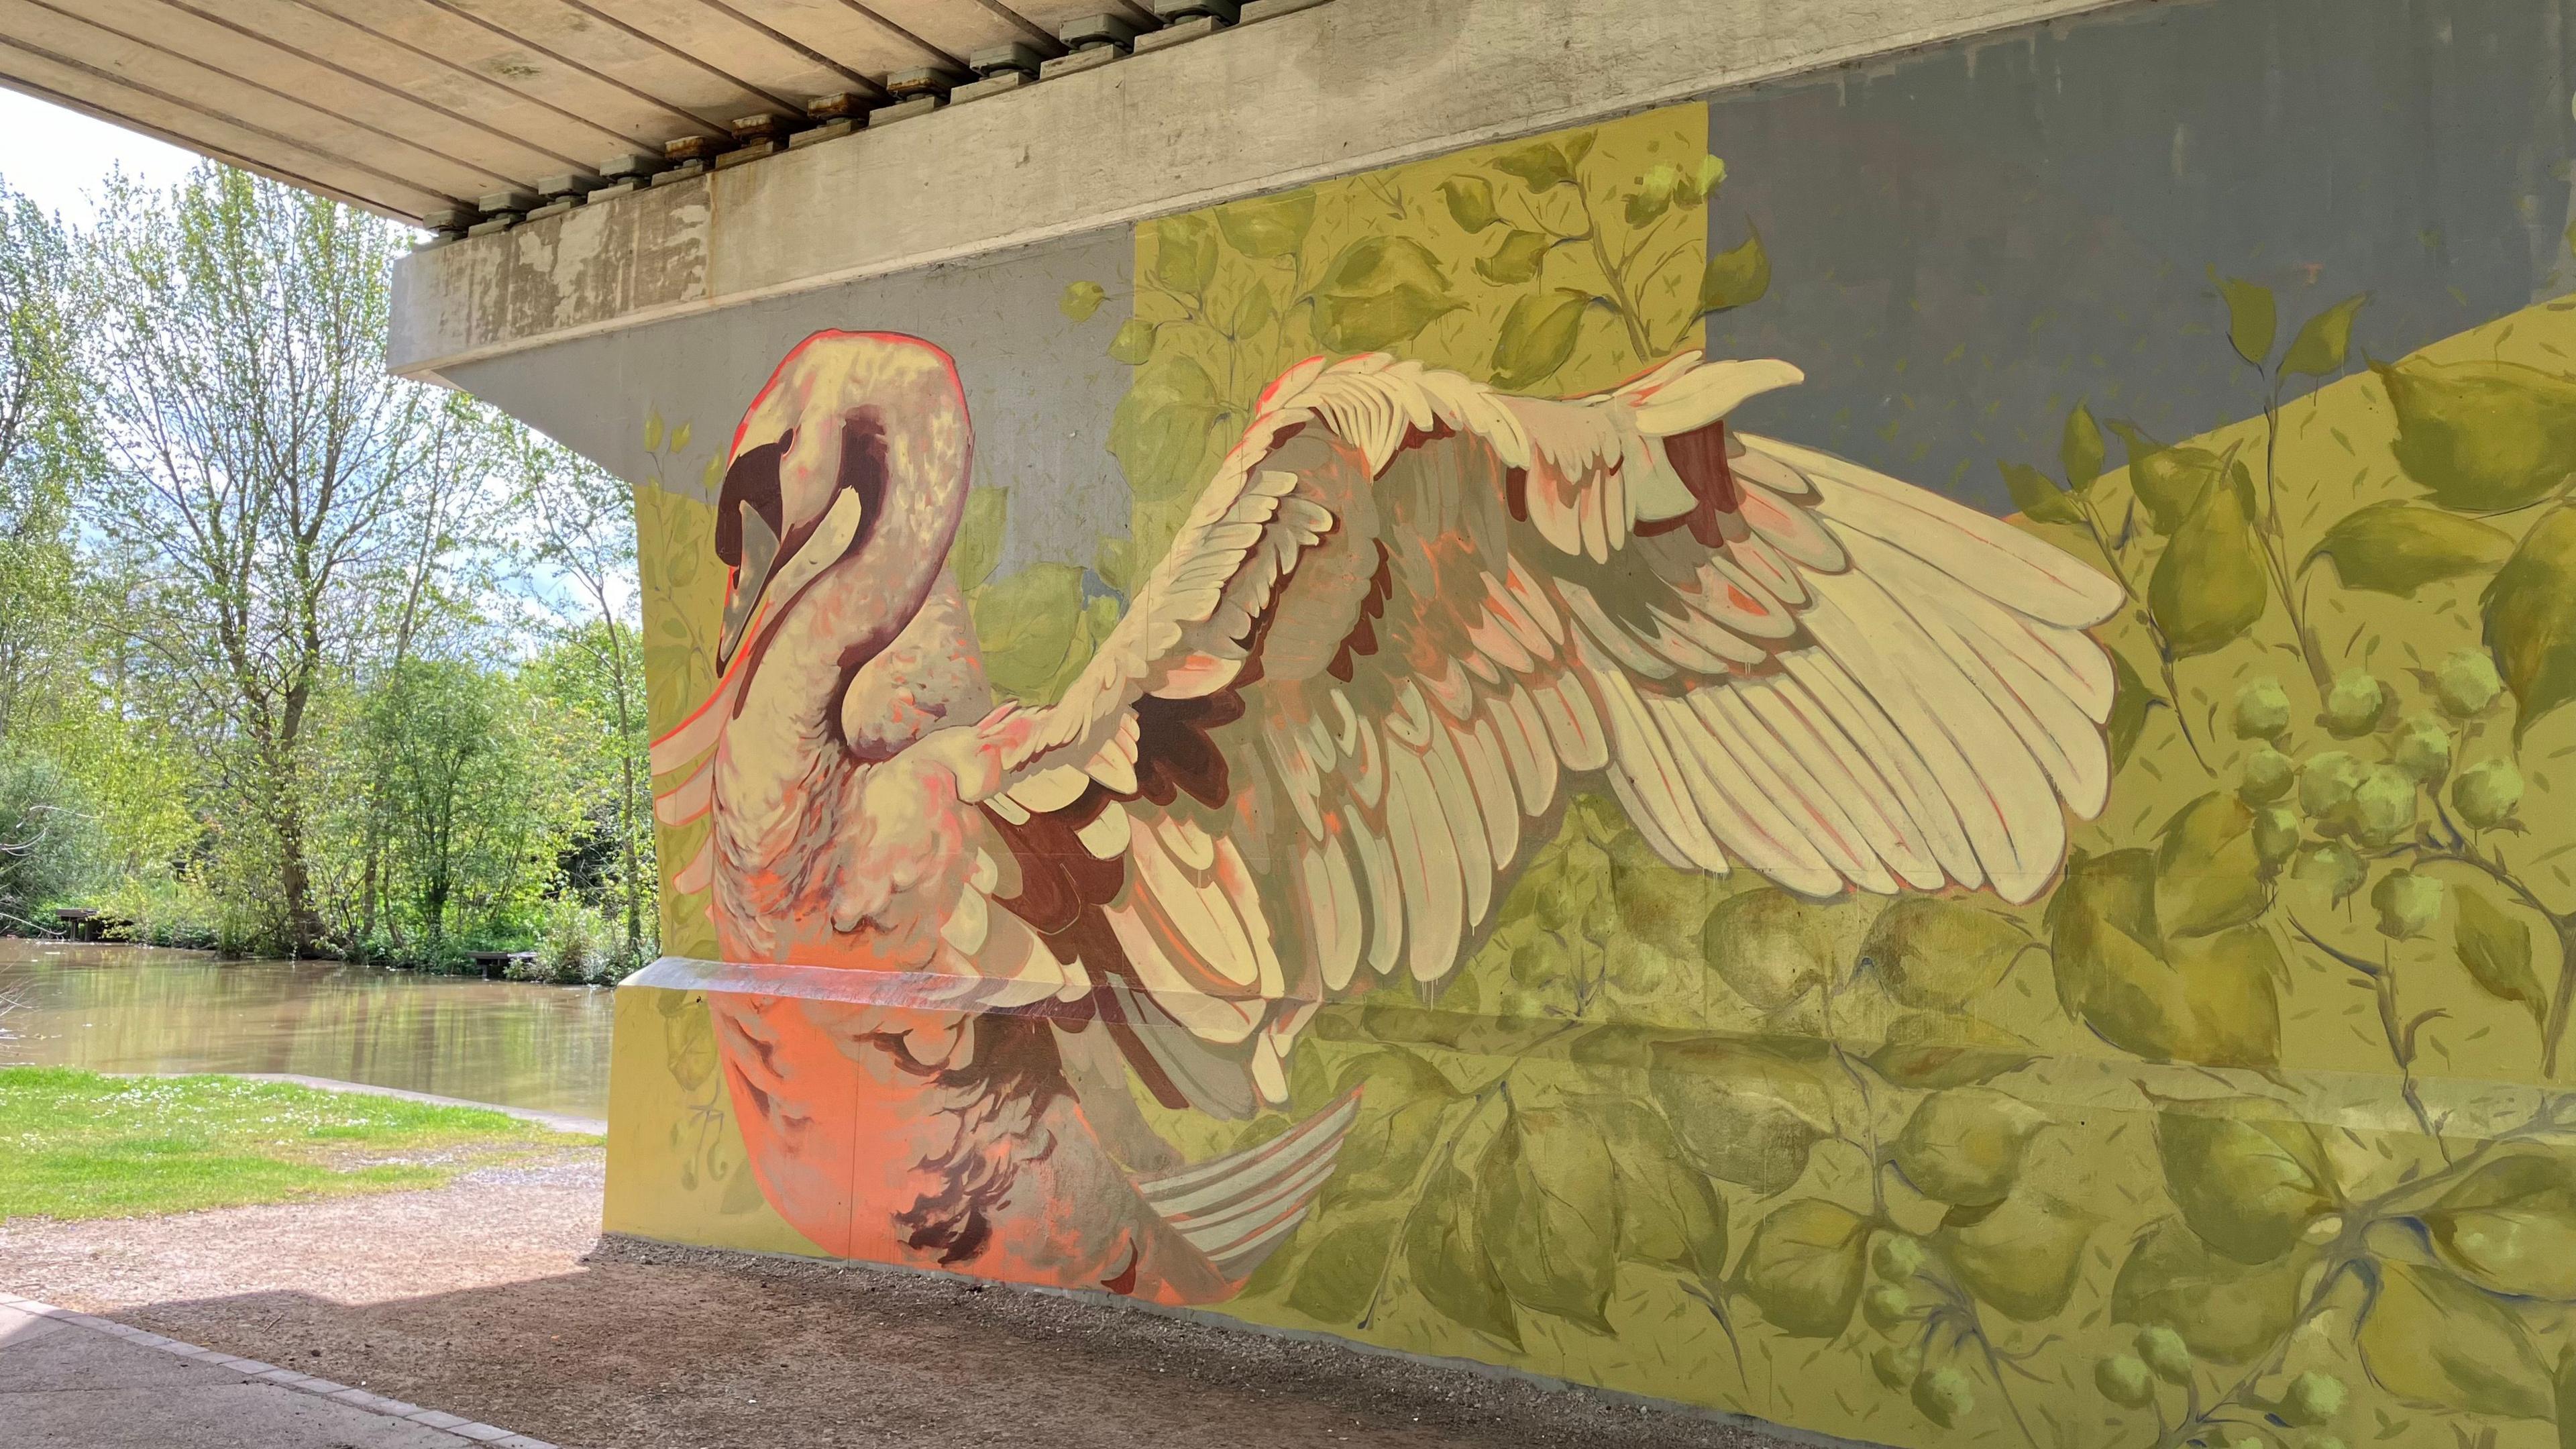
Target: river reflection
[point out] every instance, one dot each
(137, 1009)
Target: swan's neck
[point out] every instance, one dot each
(831, 695)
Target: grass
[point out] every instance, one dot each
(77, 1144)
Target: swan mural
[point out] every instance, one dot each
(1408, 617)
(1463, 844)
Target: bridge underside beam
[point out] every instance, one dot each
(1319, 92)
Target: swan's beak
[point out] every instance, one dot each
(749, 587)
(764, 574)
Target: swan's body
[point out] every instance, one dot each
(1405, 612)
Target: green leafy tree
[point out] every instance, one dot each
(582, 525)
(260, 480)
(36, 565)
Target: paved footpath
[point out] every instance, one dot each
(71, 1381)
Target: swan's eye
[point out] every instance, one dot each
(863, 469)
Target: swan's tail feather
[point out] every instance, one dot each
(1237, 1208)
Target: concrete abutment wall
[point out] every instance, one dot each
(2010, 893)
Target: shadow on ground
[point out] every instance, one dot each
(646, 1345)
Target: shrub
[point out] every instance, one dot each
(47, 840)
(574, 944)
(161, 910)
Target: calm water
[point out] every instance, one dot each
(136, 1009)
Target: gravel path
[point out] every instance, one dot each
(493, 1298)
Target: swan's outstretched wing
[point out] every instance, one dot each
(1410, 610)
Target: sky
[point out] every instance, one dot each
(60, 159)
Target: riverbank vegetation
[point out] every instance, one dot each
(298, 658)
(80, 1145)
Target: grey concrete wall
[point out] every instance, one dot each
(1040, 390)
(1967, 241)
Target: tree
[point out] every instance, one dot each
(45, 838)
(582, 522)
(35, 547)
(266, 488)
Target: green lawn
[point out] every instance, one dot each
(76, 1144)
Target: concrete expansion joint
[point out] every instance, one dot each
(470, 1430)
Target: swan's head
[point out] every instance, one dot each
(857, 449)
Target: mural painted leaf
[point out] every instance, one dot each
(1097, 618)
(1538, 165)
(652, 431)
(1448, 1262)
(2253, 318)
(688, 1040)
(2229, 1014)
(1537, 336)
(2482, 436)
(1115, 562)
(2393, 547)
(1378, 292)
(1184, 254)
(680, 438)
(1403, 1101)
(1515, 259)
(2081, 450)
(1081, 300)
(2529, 610)
(1161, 428)
(2434, 1341)
(2225, 1310)
(1551, 1215)
(1268, 226)
(2208, 999)
(2023, 1255)
(2114, 891)
(1930, 1049)
(1936, 952)
(1965, 1146)
(2039, 500)
(1770, 946)
(1669, 1215)
(1737, 276)
(1254, 313)
(1339, 1277)
(1471, 202)
(978, 545)
(2131, 698)
(2209, 876)
(2209, 586)
(1702, 181)
(2323, 344)
(2168, 482)
(2247, 1184)
(2565, 1388)
(2510, 1226)
(1666, 908)
(1804, 1267)
(1133, 343)
(2494, 946)
(1024, 624)
(1748, 1114)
